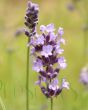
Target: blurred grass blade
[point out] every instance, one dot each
(2, 104)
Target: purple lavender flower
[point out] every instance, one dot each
(54, 89)
(38, 66)
(60, 31)
(62, 41)
(62, 62)
(48, 28)
(84, 75)
(58, 48)
(40, 40)
(52, 36)
(31, 21)
(31, 18)
(54, 85)
(65, 84)
(41, 79)
(46, 50)
(32, 50)
(42, 28)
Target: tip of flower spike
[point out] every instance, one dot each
(48, 28)
(30, 5)
(31, 18)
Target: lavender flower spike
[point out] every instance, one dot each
(31, 18)
(47, 50)
(31, 21)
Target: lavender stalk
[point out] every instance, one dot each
(51, 104)
(31, 20)
(2, 104)
(27, 80)
(46, 49)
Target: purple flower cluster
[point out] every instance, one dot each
(46, 49)
(71, 6)
(31, 19)
(84, 75)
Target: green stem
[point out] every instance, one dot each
(27, 78)
(51, 100)
(51, 103)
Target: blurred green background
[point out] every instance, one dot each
(13, 54)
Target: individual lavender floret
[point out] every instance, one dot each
(38, 66)
(31, 18)
(65, 84)
(52, 36)
(84, 75)
(62, 62)
(60, 31)
(40, 40)
(48, 28)
(47, 51)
